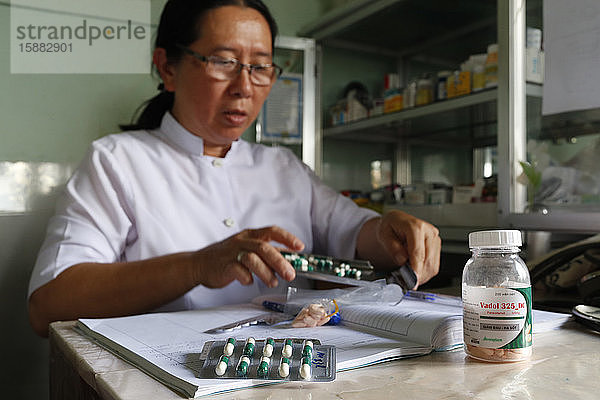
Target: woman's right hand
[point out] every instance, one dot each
(244, 254)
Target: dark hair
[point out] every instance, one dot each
(179, 24)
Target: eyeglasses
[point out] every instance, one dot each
(226, 69)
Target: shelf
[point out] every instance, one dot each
(460, 114)
(470, 215)
(404, 28)
(414, 37)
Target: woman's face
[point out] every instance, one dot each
(220, 111)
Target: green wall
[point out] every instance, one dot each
(48, 117)
(53, 117)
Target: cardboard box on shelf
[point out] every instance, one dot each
(462, 194)
(393, 101)
(438, 196)
(459, 83)
(415, 197)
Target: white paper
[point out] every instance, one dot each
(282, 111)
(414, 320)
(572, 48)
(173, 342)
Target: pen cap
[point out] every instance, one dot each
(496, 238)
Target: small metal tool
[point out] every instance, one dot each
(264, 319)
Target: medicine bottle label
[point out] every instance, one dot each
(497, 318)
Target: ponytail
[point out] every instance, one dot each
(152, 113)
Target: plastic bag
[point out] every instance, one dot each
(318, 307)
(317, 313)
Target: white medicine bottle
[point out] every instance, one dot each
(497, 299)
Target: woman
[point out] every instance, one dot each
(127, 231)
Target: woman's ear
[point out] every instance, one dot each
(165, 69)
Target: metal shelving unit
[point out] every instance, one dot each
(446, 33)
(389, 123)
(421, 31)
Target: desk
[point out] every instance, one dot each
(565, 365)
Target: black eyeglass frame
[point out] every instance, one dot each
(239, 65)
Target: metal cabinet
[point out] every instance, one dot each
(562, 146)
(298, 57)
(435, 34)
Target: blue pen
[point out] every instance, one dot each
(434, 298)
(273, 306)
(421, 295)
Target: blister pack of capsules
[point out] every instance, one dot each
(347, 272)
(290, 359)
(329, 267)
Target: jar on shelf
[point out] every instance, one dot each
(410, 94)
(424, 91)
(491, 66)
(478, 77)
(441, 88)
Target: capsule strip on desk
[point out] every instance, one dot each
(285, 359)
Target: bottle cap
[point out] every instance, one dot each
(499, 238)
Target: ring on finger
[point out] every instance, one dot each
(239, 256)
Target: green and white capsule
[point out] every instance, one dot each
(305, 368)
(229, 346)
(268, 349)
(307, 349)
(222, 365)
(286, 351)
(284, 367)
(304, 265)
(296, 263)
(242, 367)
(263, 367)
(249, 347)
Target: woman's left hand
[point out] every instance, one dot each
(397, 238)
(407, 238)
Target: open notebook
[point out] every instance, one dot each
(167, 346)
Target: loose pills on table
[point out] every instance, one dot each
(284, 367)
(229, 346)
(222, 365)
